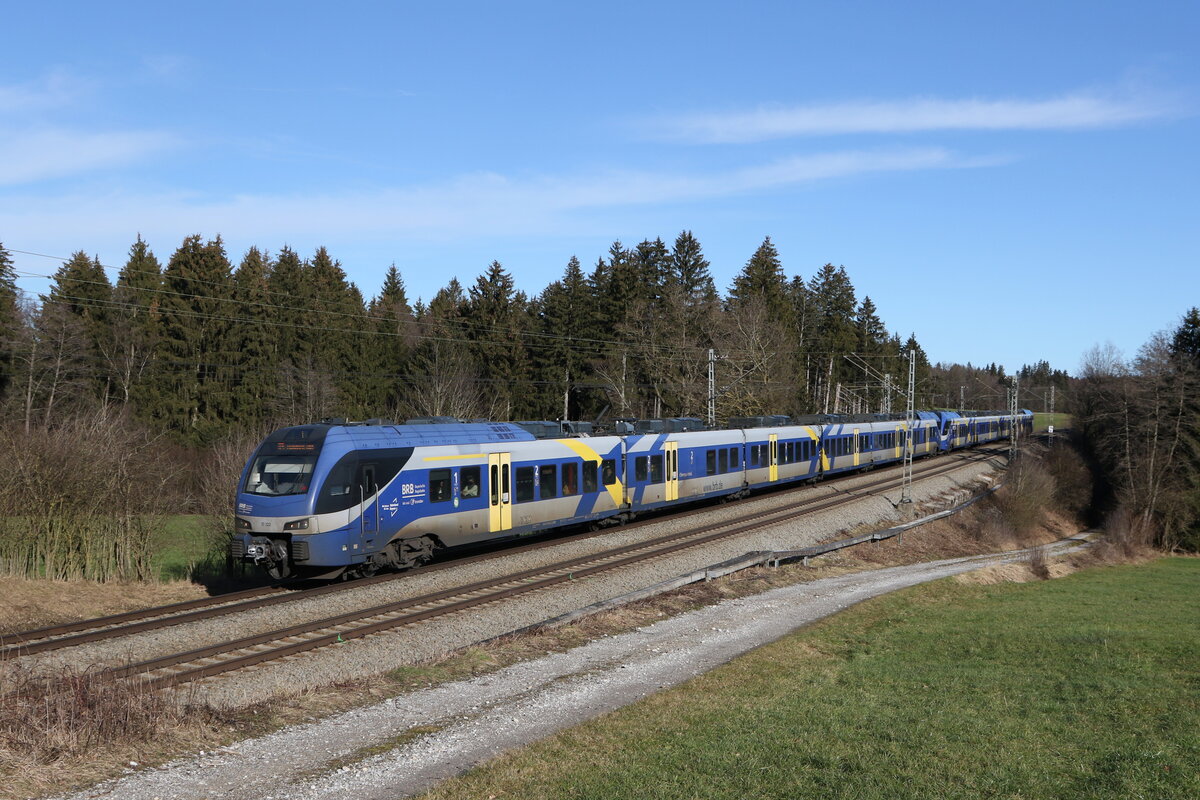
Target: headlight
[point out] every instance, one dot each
(242, 524)
(296, 525)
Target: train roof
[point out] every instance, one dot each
(422, 434)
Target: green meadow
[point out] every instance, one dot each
(1084, 686)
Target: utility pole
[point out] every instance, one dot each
(712, 388)
(1012, 410)
(887, 394)
(962, 390)
(1051, 415)
(910, 423)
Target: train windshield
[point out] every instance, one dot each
(280, 475)
(285, 460)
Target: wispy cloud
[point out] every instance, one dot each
(33, 155)
(55, 89)
(485, 204)
(37, 144)
(1072, 111)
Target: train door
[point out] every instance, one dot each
(368, 504)
(773, 455)
(499, 492)
(671, 452)
(857, 449)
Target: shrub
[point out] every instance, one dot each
(1027, 492)
(84, 499)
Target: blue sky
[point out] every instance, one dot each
(1012, 181)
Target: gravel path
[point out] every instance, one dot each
(480, 718)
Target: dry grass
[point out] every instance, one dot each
(81, 724)
(27, 604)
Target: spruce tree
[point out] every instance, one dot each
(81, 288)
(872, 337)
(1185, 341)
(758, 366)
(10, 317)
(253, 338)
(391, 346)
(562, 352)
(339, 314)
(130, 350)
(194, 396)
(763, 278)
(497, 318)
(689, 268)
(290, 294)
(653, 264)
(922, 371)
(834, 333)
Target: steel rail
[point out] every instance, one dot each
(341, 628)
(156, 618)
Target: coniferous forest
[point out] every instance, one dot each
(149, 382)
(197, 347)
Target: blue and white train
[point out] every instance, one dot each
(322, 500)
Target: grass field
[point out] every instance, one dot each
(1041, 421)
(184, 542)
(1085, 686)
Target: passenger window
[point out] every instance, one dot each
(439, 485)
(639, 469)
(470, 482)
(494, 484)
(656, 469)
(608, 468)
(723, 461)
(548, 480)
(570, 474)
(524, 484)
(735, 460)
(710, 462)
(589, 476)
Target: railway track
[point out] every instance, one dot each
(288, 642)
